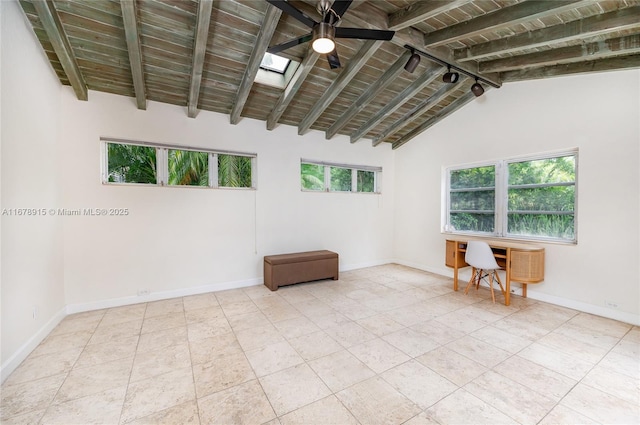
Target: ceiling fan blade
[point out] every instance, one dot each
(341, 6)
(364, 33)
(289, 44)
(332, 58)
(293, 12)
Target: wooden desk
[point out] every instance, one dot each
(523, 263)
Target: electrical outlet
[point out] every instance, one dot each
(35, 312)
(143, 292)
(611, 304)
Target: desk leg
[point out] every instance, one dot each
(524, 290)
(455, 278)
(507, 287)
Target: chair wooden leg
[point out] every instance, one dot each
(493, 296)
(500, 283)
(471, 281)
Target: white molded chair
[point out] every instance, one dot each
(480, 257)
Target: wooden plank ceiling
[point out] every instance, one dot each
(205, 54)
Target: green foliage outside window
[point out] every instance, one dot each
(366, 181)
(312, 176)
(188, 168)
(234, 171)
(131, 164)
(138, 164)
(340, 179)
(472, 199)
(540, 198)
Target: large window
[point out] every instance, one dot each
(330, 177)
(163, 165)
(524, 198)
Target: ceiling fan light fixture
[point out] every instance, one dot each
(450, 77)
(412, 63)
(323, 36)
(477, 88)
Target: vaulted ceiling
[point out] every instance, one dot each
(205, 55)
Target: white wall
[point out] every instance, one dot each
(181, 240)
(32, 268)
(599, 114)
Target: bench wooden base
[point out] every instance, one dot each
(287, 269)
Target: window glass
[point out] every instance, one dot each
(340, 179)
(330, 177)
(541, 198)
(472, 199)
(366, 181)
(131, 164)
(274, 63)
(312, 176)
(188, 168)
(172, 166)
(537, 198)
(234, 171)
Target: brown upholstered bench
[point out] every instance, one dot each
(287, 269)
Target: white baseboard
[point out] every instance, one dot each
(609, 313)
(441, 271)
(23, 352)
(163, 295)
(356, 266)
(183, 292)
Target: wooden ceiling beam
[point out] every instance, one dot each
(580, 29)
(590, 51)
(346, 75)
(442, 114)
(292, 88)
(414, 88)
(368, 16)
(268, 27)
(421, 11)
(602, 65)
(53, 27)
(387, 78)
(201, 36)
(502, 18)
(417, 112)
(130, 18)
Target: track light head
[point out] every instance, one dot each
(323, 38)
(450, 77)
(412, 63)
(477, 89)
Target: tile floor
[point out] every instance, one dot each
(383, 345)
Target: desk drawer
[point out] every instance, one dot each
(527, 266)
(450, 259)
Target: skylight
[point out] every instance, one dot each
(274, 63)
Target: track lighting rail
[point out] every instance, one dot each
(446, 64)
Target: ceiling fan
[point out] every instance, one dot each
(324, 33)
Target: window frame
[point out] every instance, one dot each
(501, 201)
(162, 164)
(377, 171)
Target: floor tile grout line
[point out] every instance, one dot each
(133, 362)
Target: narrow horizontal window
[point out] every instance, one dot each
(158, 164)
(320, 176)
